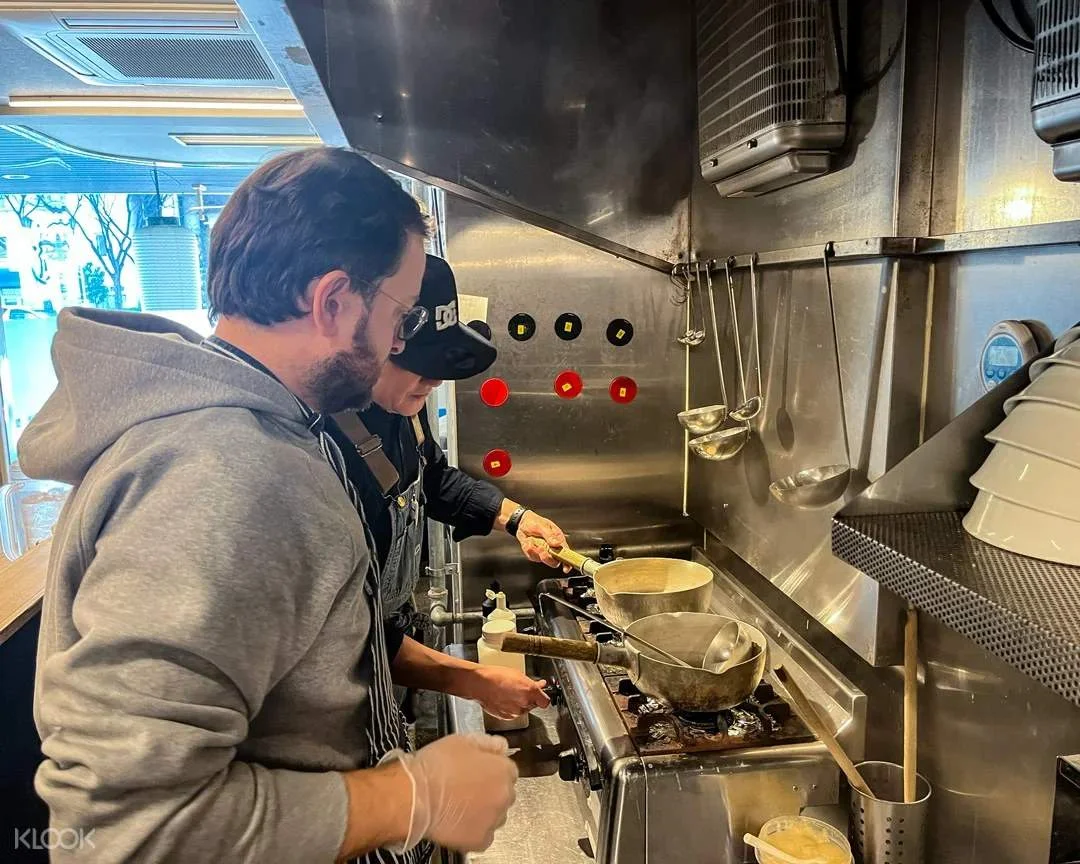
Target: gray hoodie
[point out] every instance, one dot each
(201, 667)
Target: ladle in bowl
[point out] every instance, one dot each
(817, 487)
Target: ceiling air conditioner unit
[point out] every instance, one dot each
(771, 104)
(140, 43)
(1055, 92)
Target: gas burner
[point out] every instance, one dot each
(707, 721)
(748, 723)
(641, 704)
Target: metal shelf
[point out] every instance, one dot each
(1025, 611)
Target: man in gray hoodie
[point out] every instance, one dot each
(212, 676)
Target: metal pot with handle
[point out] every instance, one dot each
(686, 635)
(633, 588)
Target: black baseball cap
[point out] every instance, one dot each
(444, 349)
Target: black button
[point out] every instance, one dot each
(620, 332)
(480, 327)
(568, 326)
(521, 327)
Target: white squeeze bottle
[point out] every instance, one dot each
(488, 655)
(501, 612)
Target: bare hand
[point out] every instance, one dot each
(506, 693)
(536, 534)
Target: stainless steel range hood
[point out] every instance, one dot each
(576, 117)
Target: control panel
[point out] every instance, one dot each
(567, 384)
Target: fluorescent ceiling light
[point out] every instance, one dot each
(254, 139)
(125, 7)
(160, 106)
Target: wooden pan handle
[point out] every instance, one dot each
(812, 719)
(911, 706)
(545, 646)
(575, 559)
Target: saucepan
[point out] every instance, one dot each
(686, 635)
(633, 588)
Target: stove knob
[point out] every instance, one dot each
(554, 693)
(606, 553)
(569, 766)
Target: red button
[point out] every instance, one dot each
(494, 392)
(568, 384)
(623, 390)
(497, 463)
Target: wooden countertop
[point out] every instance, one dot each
(22, 584)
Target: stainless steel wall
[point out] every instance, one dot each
(605, 472)
(954, 152)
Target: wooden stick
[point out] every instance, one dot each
(817, 726)
(911, 705)
(545, 646)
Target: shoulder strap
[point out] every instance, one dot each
(370, 448)
(418, 430)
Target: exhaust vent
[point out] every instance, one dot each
(1055, 92)
(192, 45)
(770, 102)
(175, 57)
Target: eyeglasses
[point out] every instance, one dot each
(414, 320)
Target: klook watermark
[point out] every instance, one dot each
(67, 839)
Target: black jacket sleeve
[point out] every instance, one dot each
(453, 497)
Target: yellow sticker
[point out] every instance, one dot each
(619, 334)
(565, 386)
(496, 463)
(622, 392)
(521, 329)
(568, 327)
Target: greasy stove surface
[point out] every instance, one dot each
(655, 730)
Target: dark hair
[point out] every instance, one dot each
(298, 217)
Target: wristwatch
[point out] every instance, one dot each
(514, 521)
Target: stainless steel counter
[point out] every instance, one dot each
(546, 822)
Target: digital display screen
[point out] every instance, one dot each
(1003, 355)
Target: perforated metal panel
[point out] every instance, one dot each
(181, 58)
(1025, 611)
(768, 82)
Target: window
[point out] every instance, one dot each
(135, 251)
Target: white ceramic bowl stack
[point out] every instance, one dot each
(1029, 486)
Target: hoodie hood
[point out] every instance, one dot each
(115, 370)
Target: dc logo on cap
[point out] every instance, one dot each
(446, 316)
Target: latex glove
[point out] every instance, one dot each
(463, 786)
(506, 693)
(536, 534)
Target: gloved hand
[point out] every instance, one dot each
(463, 786)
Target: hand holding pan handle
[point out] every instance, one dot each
(576, 560)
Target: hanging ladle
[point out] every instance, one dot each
(725, 443)
(818, 487)
(693, 335)
(750, 407)
(701, 421)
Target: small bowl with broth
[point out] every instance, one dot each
(803, 837)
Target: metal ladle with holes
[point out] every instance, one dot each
(817, 487)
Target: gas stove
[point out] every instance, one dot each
(658, 786)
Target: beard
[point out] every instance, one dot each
(344, 382)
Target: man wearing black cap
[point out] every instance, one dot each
(400, 470)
